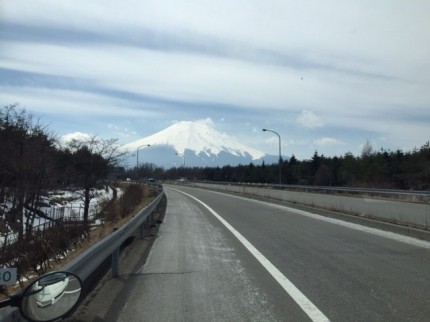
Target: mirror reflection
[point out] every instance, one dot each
(51, 296)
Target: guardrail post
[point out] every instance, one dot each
(115, 260)
(142, 230)
(115, 263)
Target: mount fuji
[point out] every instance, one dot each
(193, 144)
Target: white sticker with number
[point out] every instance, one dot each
(7, 276)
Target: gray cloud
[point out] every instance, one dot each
(357, 67)
(170, 42)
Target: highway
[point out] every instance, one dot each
(220, 257)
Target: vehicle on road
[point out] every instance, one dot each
(50, 289)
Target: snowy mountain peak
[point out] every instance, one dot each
(199, 137)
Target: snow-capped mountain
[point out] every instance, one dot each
(195, 143)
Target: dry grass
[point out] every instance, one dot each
(95, 235)
(103, 231)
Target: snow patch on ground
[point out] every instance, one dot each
(62, 204)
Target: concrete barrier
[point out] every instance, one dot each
(406, 213)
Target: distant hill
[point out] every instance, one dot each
(195, 143)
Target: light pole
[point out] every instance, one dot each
(280, 157)
(137, 154)
(182, 156)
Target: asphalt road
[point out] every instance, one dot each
(405, 212)
(272, 263)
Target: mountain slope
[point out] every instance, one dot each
(196, 140)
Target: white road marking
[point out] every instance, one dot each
(306, 305)
(374, 231)
(382, 233)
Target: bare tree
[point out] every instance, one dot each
(91, 160)
(108, 149)
(25, 159)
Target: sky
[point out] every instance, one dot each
(327, 76)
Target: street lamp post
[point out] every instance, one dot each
(280, 157)
(137, 154)
(183, 157)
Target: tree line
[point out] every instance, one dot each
(32, 162)
(372, 169)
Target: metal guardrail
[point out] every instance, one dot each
(86, 263)
(359, 190)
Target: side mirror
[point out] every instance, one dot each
(51, 297)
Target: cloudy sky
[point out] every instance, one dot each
(326, 75)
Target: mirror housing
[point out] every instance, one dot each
(51, 297)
